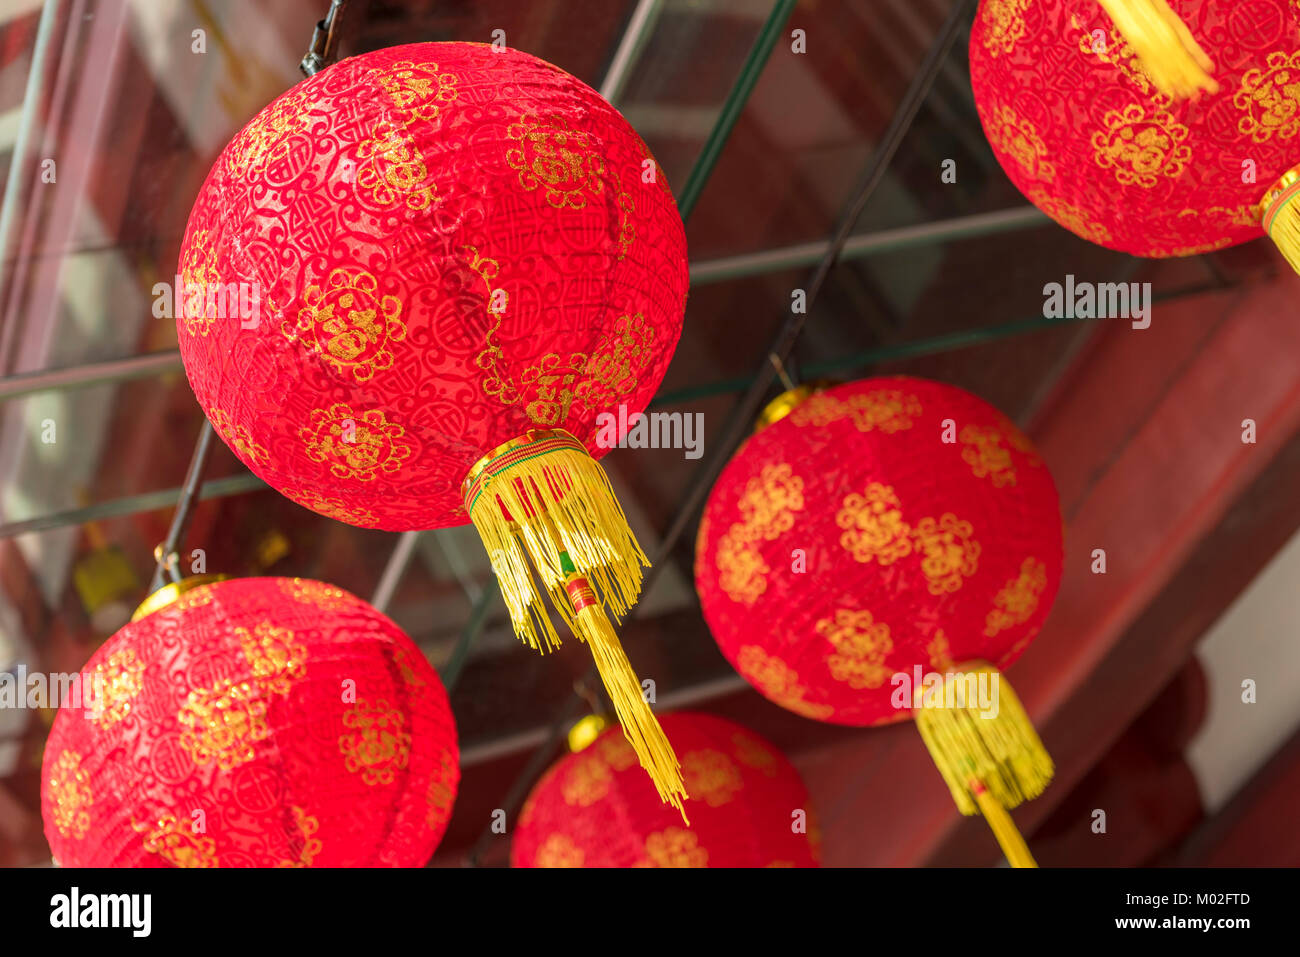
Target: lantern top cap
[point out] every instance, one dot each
(169, 593)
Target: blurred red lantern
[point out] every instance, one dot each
(879, 532)
(1078, 125)
(748, 807)
(263, 722)
(459, 257)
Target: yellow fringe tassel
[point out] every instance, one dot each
(1280, 216)
(562, 523)
(1169, 53)
(1004, 829)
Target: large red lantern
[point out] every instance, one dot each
(1080, 128)
(879, 538)
(461, 257)
(264, 722)
(748, 807)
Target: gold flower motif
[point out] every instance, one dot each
(950, 553)
(198, 275)
(562, 161)
(874, 526)
(391, 170)
(939, 651)
(617, 362)
(861, 647)
(778, 681)
(888, 410)
(377, 746)
(711, 777)
(222, 723)
(767, 507)
(1073, 218)
(307, 826)
(1018, 599)
(617, 752)
(177, 844)
(115, 682)
(274, 655)
(1270, 99)
(752, 753)
(419, 91)
(589, 780)
(311, 592)
(355, 445)
(237, 437)
(71, 796)
(559, 851)
(1020, 139)
(1004, 24)
(349, 324)
(674, 847)
(1141, 149)
(333, 508)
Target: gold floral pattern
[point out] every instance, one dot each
(711, 777)
(223, 723)
(390, 169)
(440, 796)
(419, 91)
(332, 507)
(355, 445)
(588, 781)
(274, 654)
(198, 275)
(1074, 218)
(778, 681)
(617, 362)
(752, 753)
(306, 826)
(874, 526)
(939, 651)
(674, 847)
(349, 323)
(1018, 599)
(264, 141)
(1270, 98)
(1141, 148)
(114, 683)
(311, 592)
(617, 752)
(889, 410)
(377, 746)
(70, 793)
(177, 844)
(237, 437)
(861, 647)
(987, 450)
(767, 507)
(1004, 24)
(949, 551)
(559, 851)
(550, 155)
(1020, 139)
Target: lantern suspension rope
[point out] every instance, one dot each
(742, 416)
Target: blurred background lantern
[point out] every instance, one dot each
(453, 259)
(1083, 132)
(888, 527)
(254, 722)
(748, 807)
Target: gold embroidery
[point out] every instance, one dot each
(559, 851)
(355, 445)
(888, 410)
(1270, 98)
(767, 506)
(1019, 139)
(332, 507)
(1018, 599)
(237, 437)
(115, 683)
(617, 362)
(950, 554)
(874, 526)
(861, 647)
(265, 140)
(752, 753)
(223, 722)
(985, 455)
(778, 681)
(274, 655)
(1073, 218)
(311, 592)
(562, 161)
(1117, 52)
(378, 746)
(617, 752)
(1004, 24)
(71, 796)
(440, 796)
(674, 847)
(418, 91)
(1141, 148)
(939, 651)
(198, 276)
(306, 826)
(178, 845)
(349, 324)
(711, 777)
(589, 780)
(406, 664)
(391, 170)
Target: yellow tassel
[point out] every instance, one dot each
(1280, 215)
(562, 524)
(1169, 53)
(1004, 829)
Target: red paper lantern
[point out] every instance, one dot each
(882, 531)
(264, 722)
(462, 256)
(1081, 130)
(748, 807)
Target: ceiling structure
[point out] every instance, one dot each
(818, 170)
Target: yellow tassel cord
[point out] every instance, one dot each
(1169, 53)
(985, 747)
(1280, 215)
(544, 507)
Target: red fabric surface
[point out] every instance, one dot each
(915, 551)
(229, 709)
(1081, 134)
(596, 808)
(384, 209)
